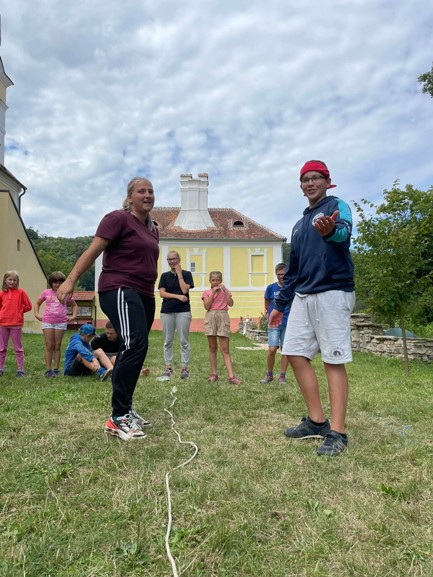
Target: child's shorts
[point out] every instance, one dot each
(77, 369)
(217, 324)
(276, 336)
(57, 326)
(321, 322)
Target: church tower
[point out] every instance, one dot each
(5, 82)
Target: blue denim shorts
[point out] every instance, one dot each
(276, 336)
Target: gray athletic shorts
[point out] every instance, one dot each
(320, 322)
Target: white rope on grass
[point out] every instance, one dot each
(167, 484)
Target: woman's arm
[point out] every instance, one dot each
(85, 261)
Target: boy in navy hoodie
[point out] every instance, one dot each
(81, 361)
(319, 284)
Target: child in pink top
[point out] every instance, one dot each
(14, 302)
(54, 321)
(216, 301)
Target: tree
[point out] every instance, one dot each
(394, 255)
(58, 253)
(427, 81)
(286, 252)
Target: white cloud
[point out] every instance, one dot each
(245, 91)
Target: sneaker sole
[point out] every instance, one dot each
(333, 454)
(106, 375)
(124, 436)
(304, 437)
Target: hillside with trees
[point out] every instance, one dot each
(59, 253)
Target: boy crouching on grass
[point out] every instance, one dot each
(81, 361)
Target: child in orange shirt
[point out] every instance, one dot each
(14, 302)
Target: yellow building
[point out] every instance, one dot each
(209, 239)
(16, 250)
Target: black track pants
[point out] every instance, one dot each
(131, 315)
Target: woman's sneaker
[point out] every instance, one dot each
(20, 374)
(166, 375)
(308, 430)
(333, 445)
(268, 378)
(139, 419)
(126, 428)
(184, 373)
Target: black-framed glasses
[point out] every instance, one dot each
(314, 178)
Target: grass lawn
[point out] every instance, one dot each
(75, 503)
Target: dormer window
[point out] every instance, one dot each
(238, 224)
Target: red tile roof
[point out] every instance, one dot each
(83, 295)
(226, 227)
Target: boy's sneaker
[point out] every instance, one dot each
(282, 379)
(333, 445)
(126, 428)
(269, 377)
(48, 373)
(184, 373)
(308, 430)
(166, 375)
(139, 419)
(20, 374)
(55, 373)
(104, 374)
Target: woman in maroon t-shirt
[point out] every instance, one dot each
(129, 240)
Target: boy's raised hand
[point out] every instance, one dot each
(326, 224)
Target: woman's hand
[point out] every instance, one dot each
(64, 290)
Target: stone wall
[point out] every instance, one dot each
(367, 337)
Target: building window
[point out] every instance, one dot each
(18, 245)
(238, 224)
(192, 266)
(257, 263)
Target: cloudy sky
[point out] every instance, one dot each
(245, 90)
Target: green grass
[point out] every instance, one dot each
(75, 503)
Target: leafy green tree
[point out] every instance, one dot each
(59, 253)
(394, 255)
(427, 81)
(286, 252)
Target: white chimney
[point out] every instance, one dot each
(194, 213)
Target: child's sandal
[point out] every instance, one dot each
(213, 378)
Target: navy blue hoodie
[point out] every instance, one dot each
(318, 264)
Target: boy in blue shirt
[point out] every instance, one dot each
(319, 283)
(276, 334)
(81, 361)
